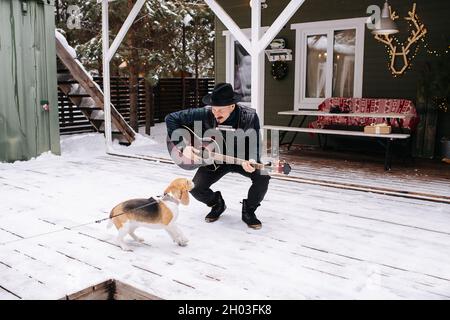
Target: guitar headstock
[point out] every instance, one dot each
(279, 166)
(283, 167)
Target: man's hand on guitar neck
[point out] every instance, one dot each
(247, 165)
(192, 153)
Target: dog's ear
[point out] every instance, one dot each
(185, 197)
(189, 185)
(168, 189)
(174, 191)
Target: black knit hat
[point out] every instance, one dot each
(222, 95)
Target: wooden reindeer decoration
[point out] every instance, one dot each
(419, 32)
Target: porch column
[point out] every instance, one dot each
(108, 54)
(106, 75)
(257, 78)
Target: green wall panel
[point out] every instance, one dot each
(28, 71)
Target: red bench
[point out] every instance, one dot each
(367, 105)
(351, 113)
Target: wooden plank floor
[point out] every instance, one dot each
(429, 177)
(316, 242)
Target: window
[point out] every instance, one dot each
(242, 67)
(239, 65)
(328, 61)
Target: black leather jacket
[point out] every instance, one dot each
(245, 120)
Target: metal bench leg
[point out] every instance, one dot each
(295, 135)
(410, 150)
(325, 140)
(407, 153)
(292, 141)
(388, 156)
(400, 125)
(283, 134)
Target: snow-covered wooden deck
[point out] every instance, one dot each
(316, 242)
(424, 179)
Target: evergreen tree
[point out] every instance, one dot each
(157, 30)
(168, 37)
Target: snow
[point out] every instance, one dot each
(66, 45)
(76, 89)
(93, 144)
(316, 242)
(90, 143)
(87, 102)
(97, 115)
(73, 53)
(141, 140)
(88, 74)
(187, 19)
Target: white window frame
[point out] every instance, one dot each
(328, 27)
(229, 56)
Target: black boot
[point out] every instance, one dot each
(217, 208)
(249, 217)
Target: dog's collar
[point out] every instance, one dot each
(168, 197)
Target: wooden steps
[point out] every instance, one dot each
(70, 73)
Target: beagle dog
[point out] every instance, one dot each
(152, 213)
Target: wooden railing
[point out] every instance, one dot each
(167, 98)
(169, 95)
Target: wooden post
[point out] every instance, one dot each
(149, 107)
(429, 139)
(117, 93)
(133, 64)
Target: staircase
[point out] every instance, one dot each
(86, 95)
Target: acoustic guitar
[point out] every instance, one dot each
(207, 155)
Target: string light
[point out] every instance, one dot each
(435, 52)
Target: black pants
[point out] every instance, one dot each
(207, 176)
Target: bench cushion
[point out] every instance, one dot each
(359, 105)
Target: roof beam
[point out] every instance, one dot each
(230, 24)
(279, 23)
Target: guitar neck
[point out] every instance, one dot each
(233, 160)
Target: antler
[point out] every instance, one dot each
(419, 32)
(394, 15)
